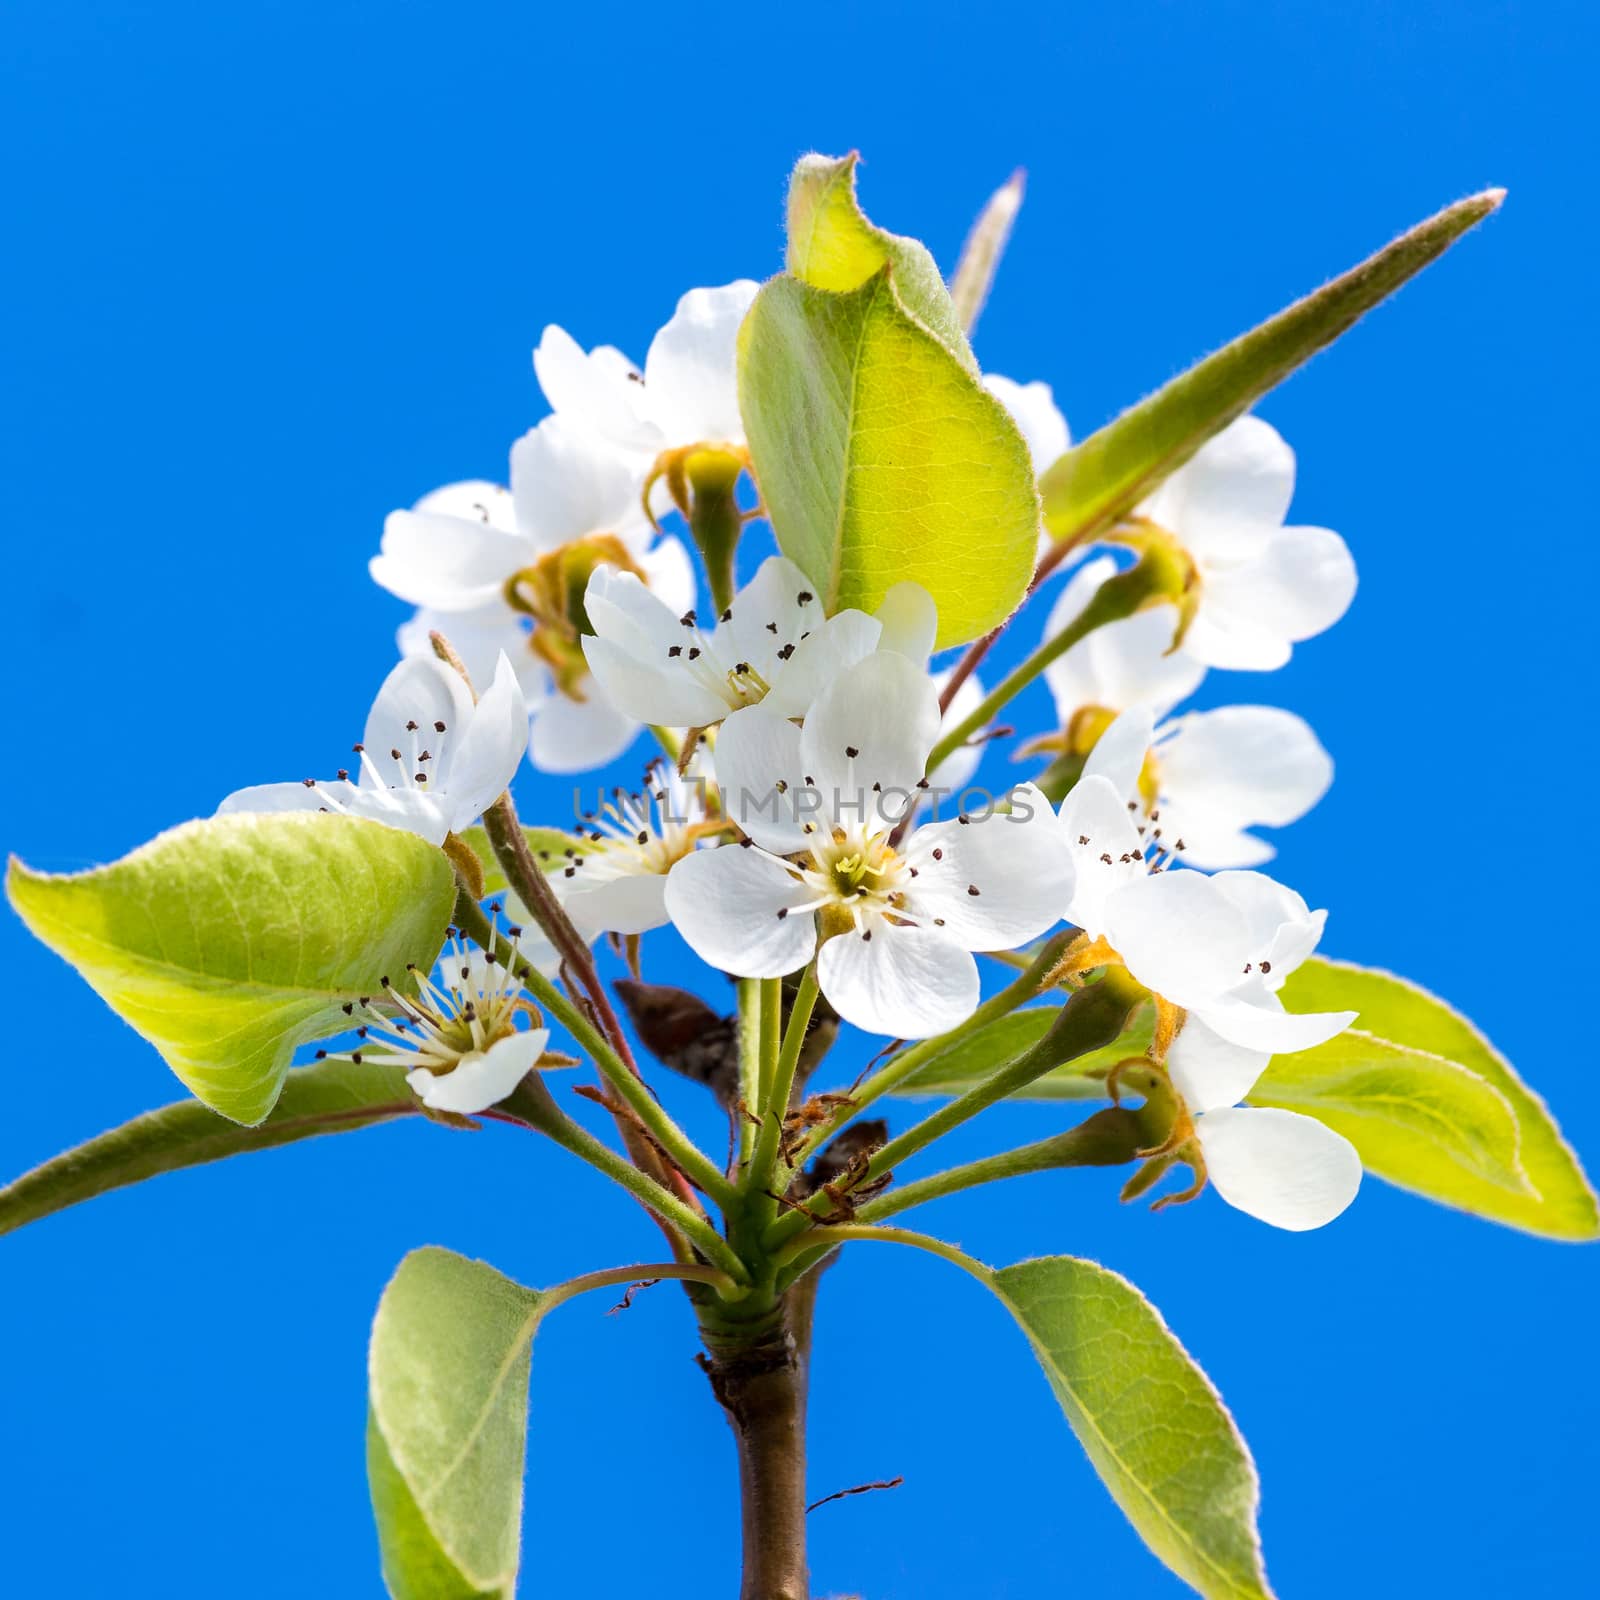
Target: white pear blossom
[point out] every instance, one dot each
(1200, 781)
(618, 884)
(1120, 665)
(497, 570)
(686, 397)
(898, 921)
(457, 1038)
(1262, 587)
(430, 759)
(1220, 949)
(773, 644)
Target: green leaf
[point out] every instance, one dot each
(880, 458)
(1148, 1418)
(330, 1097)
(1447, 1143)
(981, 1053)
(833, 246)
(549, 847)
(447, 1425)
(1103, 478)
(226, 943)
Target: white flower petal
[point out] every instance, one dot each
(482, 1079)
(1208, 1071)
(398, 808)
(665, 694)
(760, 780)
(448, 563)
(473, 499)
(578, 735)
(867, 738)
(768, 612)
(1017, 863)
(907, 983)
(1301, 583)
(1280, 927)
(1119, 752)
(568, 484)
(725, 902)
(690, 384)
(1246, 764)
(1100, 837)
(593, 391)
(1237, 643)
(485, 758)
(419, 693)
(1254, 1019)
(1033, 409)
(630, 903)
(1122, 665)
(1283, 1168)
(1233, 492)
(1180, 936)
(835, 643)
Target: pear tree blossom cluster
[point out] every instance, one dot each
(805, 827)
(804, 576)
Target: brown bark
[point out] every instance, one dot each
(761, 1384)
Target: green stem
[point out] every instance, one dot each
(895, 1071)
(851, 1233)
(749, 1063)
(780, 1083)
(1148, 582)
(1093, 1017)
(1109, 1138)
(614, 1277)
(535, 1105)
(679, 1147)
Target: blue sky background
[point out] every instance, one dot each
(275, 269)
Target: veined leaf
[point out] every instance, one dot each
(330, 1097)
(982, 1053)
(549, 847)
(880, 458)
(226, 943)
(1395, 1091)
(833, 246)
(447, 1426)
(1148, 1418)
(1105, 476)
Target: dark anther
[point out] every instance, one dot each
(694, 654)
(674, 650)
(938, 855)
(972, 888)
(438, 727)
(851, 751)
(310, 783)
(806, 597)
(644, 836)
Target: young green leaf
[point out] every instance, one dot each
(1148, 1418)
(447, 1424)
(226, 943)
(1105, 476)
(880, 458)
(983, 1052)
(330, 1097)
(833, 246)
(980, 255)
(1399, 1086)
